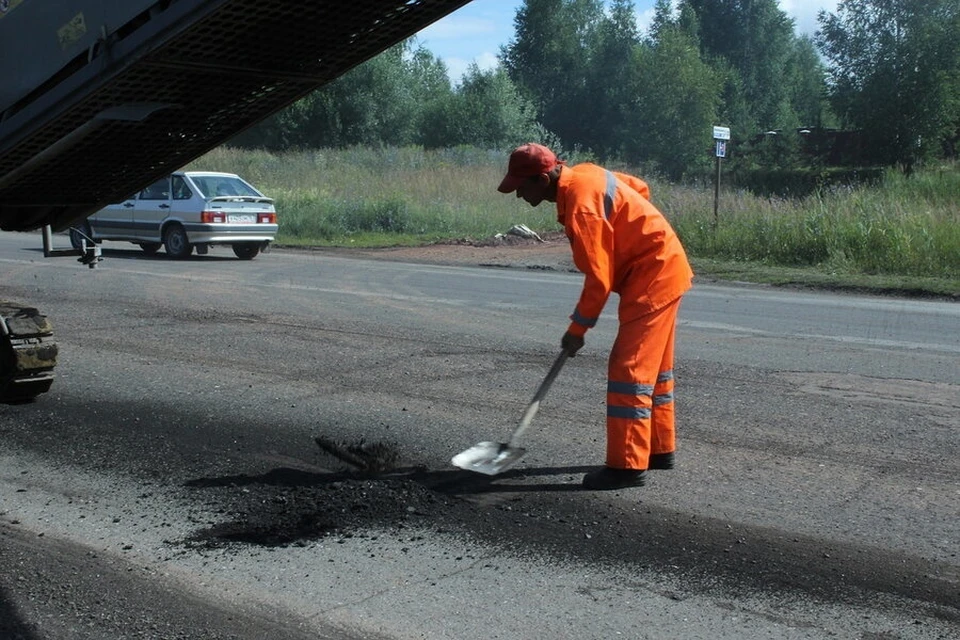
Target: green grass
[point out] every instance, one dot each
(821, 278)
(901, 236)
(382, 197)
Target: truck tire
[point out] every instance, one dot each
(28, 353)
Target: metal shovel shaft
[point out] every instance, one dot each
(491, 458)
(534, 405)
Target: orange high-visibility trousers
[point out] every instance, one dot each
(640, 409)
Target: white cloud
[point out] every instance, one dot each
(644, 18)
(456, 67)
(454, 27)
(487, 61)
(460, 40)
(804, 13)
(476, 32)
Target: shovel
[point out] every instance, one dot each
(491, 458)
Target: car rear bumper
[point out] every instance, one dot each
(229, 233)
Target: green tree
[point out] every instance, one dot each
(549, 59)
(486, 110)
(734, 106)
(756, 38)
(894, 66)
(372, 104)
(379, 102)
(608, 79)
(807, 85)
(676, 99)
(662, 19)
(951, 137)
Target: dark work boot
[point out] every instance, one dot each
(661, 461)
(609, 478)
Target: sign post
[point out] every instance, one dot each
(720, 136)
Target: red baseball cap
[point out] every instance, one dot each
(527, 161)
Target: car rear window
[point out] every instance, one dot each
(213, 186)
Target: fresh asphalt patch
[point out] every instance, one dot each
(542, 513)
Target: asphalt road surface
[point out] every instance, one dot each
(170, 484)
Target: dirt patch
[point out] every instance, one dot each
(551, 253)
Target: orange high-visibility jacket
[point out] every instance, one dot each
(621, 242)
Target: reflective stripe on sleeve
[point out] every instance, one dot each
(609, 195)
(579, 319)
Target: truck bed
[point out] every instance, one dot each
(118, 106)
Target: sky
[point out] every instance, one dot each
(475, 32)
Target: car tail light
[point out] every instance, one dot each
(267, 218)
(208, 217)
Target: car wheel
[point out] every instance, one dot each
(175, 242)
(150, 248)
(78, 233)
(247, 250)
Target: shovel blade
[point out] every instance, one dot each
(488, 458)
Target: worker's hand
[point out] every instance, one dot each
(571, 343)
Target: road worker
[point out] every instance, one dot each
(623, 244)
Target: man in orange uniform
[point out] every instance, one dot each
(623, 244)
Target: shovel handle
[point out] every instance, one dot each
(534, 405)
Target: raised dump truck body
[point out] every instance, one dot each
(91, 89)
(110, 87)
(62, 31)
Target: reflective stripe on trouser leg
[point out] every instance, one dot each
(663, 438)
(640, 416)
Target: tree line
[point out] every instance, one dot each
(580, 76)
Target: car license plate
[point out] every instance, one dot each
(241, 218)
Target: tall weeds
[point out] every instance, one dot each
(394, 196)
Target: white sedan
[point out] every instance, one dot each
(187, 210)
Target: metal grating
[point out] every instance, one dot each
(222, 68)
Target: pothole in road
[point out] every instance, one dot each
(296, 513)
(294, 507)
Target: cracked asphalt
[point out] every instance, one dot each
(171, 484)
